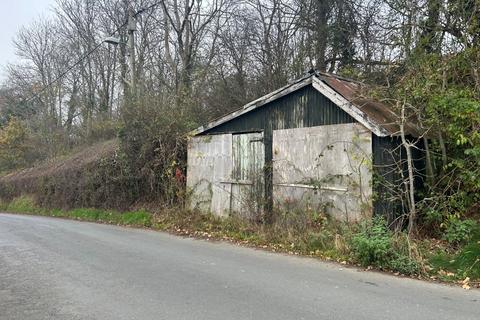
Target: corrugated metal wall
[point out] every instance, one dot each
(387, 153)
(303, 108)
(385, 173)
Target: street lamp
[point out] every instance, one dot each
(131, 25)
(112, 40)
(131, 28)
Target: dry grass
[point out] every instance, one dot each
(92, 177)
(74, 161)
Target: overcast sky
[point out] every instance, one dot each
(13, 15)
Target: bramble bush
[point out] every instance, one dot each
(459, 232)
(374, 244)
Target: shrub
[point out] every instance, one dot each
(153, 144)
(459, 231)
(404, 265)
(23, 204)
(406, 259)
(321, 241)
(15, 147)
(372, 244)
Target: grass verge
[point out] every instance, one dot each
(26, 204)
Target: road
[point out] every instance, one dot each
(59, 269)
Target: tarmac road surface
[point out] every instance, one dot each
(60, 269)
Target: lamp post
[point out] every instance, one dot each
(131, 28)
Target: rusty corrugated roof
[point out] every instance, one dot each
(379, 112)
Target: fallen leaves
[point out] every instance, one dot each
(466, 283)
(444, 273)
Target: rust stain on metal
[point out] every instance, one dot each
(375, 110)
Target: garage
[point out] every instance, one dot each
(314, 145)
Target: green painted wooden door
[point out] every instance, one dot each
(247, 185)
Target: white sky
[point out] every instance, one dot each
(13, 15)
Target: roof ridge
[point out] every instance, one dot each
(336, 76)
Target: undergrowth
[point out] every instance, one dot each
(459, 264)
(374, 244)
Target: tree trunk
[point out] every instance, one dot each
(322, 11)
(412, 215)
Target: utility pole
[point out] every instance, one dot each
(131, 28)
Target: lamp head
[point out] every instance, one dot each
(112, 40)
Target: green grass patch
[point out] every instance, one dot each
(463, 263)
(23, 204)
(139, 218)
(26, 204)
(89, 214)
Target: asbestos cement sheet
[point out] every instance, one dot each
(323, 169)
(209, 165)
